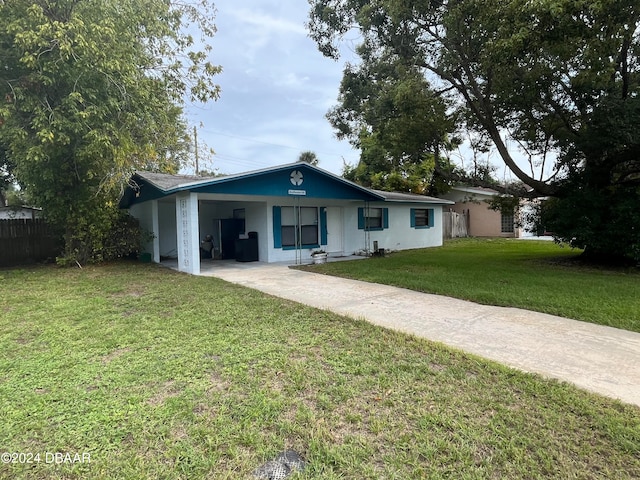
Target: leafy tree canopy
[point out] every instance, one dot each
(559, 79)
(92, 90)
(308, 157)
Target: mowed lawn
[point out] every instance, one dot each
(535, 275)
(157, 374)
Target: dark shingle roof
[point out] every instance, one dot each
(168, 184)
(165, 181)
(410, 197)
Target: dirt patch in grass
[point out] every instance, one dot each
(24, 340)
(109, 357)
(218, 382)
(132, 292)
(179, 432)
(167, 390)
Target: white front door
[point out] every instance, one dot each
(334, 230)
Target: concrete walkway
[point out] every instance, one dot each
(601, 359)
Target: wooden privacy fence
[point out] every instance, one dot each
(26, 241)
(454, 225)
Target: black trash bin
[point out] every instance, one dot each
(247, 248)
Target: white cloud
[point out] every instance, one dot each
(276, 89)
(290, 80)
(268, 23)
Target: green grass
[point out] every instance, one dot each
(534, 275)
(158, 374)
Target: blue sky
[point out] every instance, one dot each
(276, 90)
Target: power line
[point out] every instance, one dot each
(248, 139)
(297, 149)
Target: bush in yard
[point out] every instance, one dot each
(102, 235)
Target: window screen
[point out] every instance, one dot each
(307, 219)
(507, 223)
(373, 218)
(422, 217)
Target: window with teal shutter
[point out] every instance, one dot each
(373, 218)
(291, 224)
(421, 217)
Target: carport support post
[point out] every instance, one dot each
(187, 229)
(155, 226)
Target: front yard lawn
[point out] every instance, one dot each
(157, 374)
(534, 275)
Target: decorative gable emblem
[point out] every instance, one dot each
(296, 178)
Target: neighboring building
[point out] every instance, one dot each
(10, 213)
(472, 203)
(283, 213)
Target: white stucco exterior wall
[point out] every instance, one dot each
(400, 235)
(168, 237)
(203, 209)
(147, 215)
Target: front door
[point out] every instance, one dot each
(334, 230)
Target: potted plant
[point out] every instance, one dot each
(319, 256)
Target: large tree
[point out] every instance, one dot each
(389, 111)
(91, 90)
(556, 78)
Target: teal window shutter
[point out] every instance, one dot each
(431, 217)
(323, 225)
(277, 227)
(360, 218)
(413, 218)
(385, 218)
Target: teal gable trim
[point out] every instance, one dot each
(309, 184)
(277, 227)
(323, 225)
(296, 179)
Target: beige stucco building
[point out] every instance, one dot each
(471, 202)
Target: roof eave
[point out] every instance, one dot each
(230, 178)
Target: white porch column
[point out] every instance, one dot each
(155, 228)
(188, 233)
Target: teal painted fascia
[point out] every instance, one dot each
(278, 184)
(273, 182)
(147, 192)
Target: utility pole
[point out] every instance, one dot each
(195, 142)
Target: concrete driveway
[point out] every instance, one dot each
(601, 359)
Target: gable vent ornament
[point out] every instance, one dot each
(296, 178)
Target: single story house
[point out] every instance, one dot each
(275, 214)
(472, 203)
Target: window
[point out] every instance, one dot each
(507, 223)
(422, 218)
(304, 217)
(373, 218)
